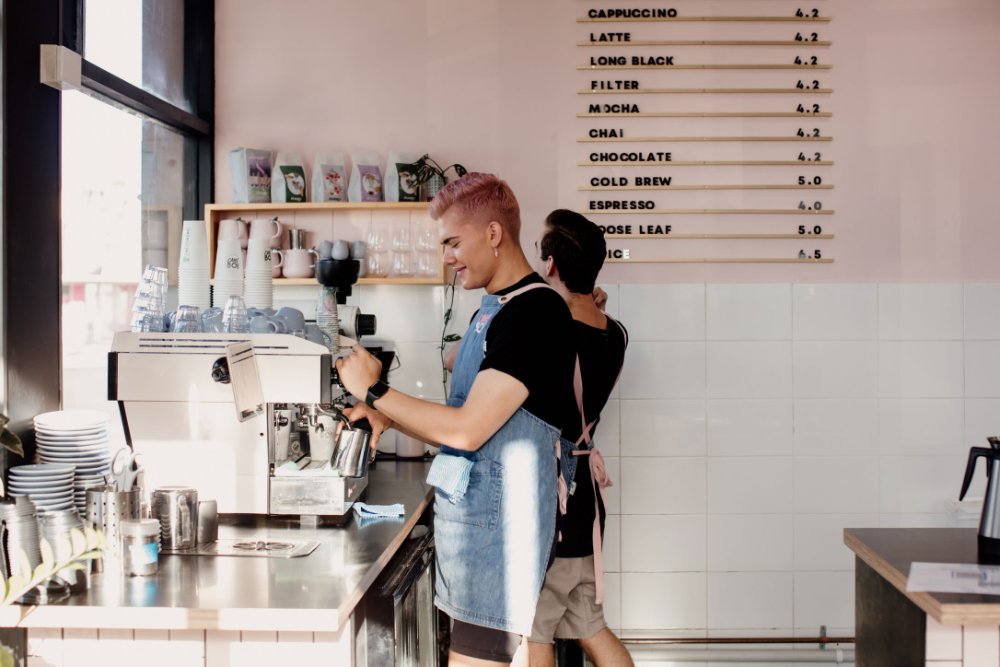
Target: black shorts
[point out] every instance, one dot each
(475, 641)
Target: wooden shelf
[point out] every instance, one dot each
(321, 206)
(217, 211)
(409, 280)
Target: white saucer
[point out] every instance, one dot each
(62, 420)
(36, 469)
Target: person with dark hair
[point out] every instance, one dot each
(511, 394)
(571, 254)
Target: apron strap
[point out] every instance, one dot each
(598, 473)
(521, 290)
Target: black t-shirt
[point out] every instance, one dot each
(601, 354)
(529, 340)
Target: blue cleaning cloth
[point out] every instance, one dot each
(450, 474)
(366, 510)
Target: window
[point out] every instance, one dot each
(132, 168)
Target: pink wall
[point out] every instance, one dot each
(492, 84)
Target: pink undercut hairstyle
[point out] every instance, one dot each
(481, 198)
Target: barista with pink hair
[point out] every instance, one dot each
(511, 391)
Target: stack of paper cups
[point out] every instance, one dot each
(228, 271)
(193, 288)
(257, 288)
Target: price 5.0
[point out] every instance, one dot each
(816, 180)
(815, 230)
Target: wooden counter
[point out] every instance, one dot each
(895, 627)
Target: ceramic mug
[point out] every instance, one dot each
(263, 228)
(299, 263)
(234, 229)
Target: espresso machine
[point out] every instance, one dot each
(246, 430)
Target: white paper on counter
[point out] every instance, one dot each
(954, 578)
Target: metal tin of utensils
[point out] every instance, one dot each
(176, 508)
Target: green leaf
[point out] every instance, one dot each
(42, 572)
(48, 558)
(11, 442)
(95, 539)
(15, 589)
(79, 542)
(23, 564)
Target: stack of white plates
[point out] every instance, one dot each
(76, 438)
(50, 486)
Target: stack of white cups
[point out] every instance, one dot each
(193, 287)
(231, 247)
(228, 271)
(257, 287)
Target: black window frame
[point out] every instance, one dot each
(31, 206)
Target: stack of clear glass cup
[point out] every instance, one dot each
(427, 260)
(150, 302)
(234, 316)
(378, 249)
(402, 249)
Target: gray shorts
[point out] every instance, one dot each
(567, 607)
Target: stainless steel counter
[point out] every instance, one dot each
(314, 593)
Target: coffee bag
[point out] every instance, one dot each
(401, 177)
(329, 177)
(366, 178)
(250, 169)
(289, 184)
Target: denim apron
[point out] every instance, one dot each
(495, 508)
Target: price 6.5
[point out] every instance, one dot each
(815, 230)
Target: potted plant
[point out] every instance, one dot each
(432, 176)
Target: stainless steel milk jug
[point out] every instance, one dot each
(989, 522)
(176, 508)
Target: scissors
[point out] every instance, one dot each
(125, 467)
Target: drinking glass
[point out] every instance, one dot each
(377, 236)
(401, 264)
(234, 316)
(401, 236)
(378, 264)
(428, 263)
(426, 233)
(187, 320)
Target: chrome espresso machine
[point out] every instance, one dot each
(240, 417)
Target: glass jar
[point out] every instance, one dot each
(140, 546)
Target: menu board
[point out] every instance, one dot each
(705, 131)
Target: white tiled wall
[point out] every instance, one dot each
(753, 423)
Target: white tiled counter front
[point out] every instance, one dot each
(225, 611)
